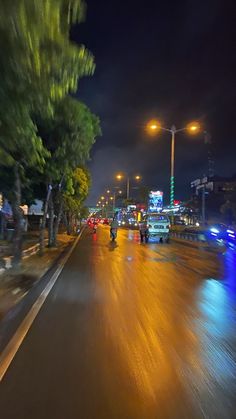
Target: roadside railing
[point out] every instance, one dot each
(193, 237)
(30, 251)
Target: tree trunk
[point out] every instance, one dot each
(51, 222)
(17, 215)
(57, 223)
(43, 222)
(3, 226)
(69, 223)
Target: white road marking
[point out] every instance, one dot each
(14, 344)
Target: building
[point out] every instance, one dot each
(224, 186)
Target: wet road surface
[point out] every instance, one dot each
(130, 331)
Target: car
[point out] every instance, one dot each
(180, 222)
(158, 226)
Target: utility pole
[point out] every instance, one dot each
(203, 204)
(114, 202)
(172, 172)
(128, 186)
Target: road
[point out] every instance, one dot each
(130, 331)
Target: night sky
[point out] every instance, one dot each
(170, 60)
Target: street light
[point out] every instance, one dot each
(120, 177)
(153, 127)
(113, 198)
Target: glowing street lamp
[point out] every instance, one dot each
(193, 128)
(120, 177)
(153, 127)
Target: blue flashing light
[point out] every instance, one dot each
(231, 232)
(214, 231)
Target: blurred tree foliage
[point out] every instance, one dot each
(39, 66)
(68, 137)
(75, 195)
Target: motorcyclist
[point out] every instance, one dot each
(95, 226)
(114, 227)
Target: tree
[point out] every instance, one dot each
(68, 137)
(39, 66)
(73, 199)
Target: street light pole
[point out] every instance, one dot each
(203, 205)
(127, 177)
(172, 170)
(154, 126)
(128, 187)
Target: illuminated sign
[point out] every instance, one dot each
(131, 208)
(155, 201)
(176, 202)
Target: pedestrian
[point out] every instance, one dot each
(143, 231)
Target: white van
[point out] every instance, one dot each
(158, 226)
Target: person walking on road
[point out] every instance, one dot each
(143, 231)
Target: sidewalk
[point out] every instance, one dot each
(29, 239)
(14, 285)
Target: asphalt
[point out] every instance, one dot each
(130, 331)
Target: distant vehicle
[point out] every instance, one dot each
(231, 236)
(180, 222)
(217, 232)
(222, 234)
(158, 226)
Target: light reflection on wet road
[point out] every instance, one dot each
(136, 331)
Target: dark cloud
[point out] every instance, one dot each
(174, 60)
